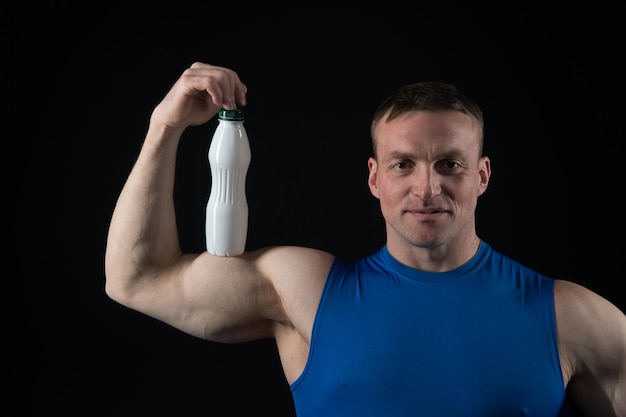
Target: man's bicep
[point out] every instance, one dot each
(223, 299)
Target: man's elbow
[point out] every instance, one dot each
(118, 281)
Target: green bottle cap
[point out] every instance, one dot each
(236, 114)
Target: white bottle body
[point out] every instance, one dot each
(227, 208)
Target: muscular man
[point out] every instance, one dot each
(435, 323)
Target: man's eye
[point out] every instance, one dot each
(401, 165)
(451, 165)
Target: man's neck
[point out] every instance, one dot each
(435, 258)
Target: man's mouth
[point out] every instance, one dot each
(435, 210)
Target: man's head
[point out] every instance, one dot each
(427, 95)
(428, 169)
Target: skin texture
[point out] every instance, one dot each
(428, 175)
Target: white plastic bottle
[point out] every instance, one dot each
(227, 208)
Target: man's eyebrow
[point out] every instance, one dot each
(448, 154)
(452, 154)
(401, 155)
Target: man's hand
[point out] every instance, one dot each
(197, 96)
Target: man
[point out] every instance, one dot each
(436, 323)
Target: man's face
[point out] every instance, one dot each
(428, 175)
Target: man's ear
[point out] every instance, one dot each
(372, 182)
(484, 173)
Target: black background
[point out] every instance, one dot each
(81, 80)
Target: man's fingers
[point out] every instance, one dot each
(222, 84)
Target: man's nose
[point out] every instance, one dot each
(426, 183)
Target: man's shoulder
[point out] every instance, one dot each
(591, 329)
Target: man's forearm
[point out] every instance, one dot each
(143, 236)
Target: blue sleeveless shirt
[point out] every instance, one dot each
(392, 341)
